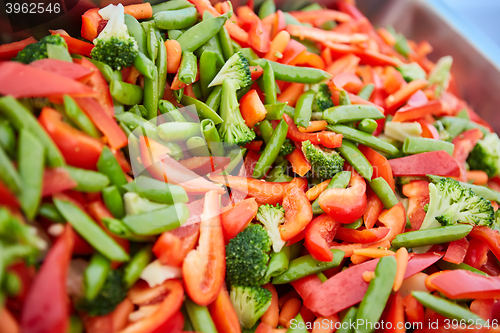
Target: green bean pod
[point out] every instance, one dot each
(151, 94)
(200, 317)
(95, 275)
(171, 5)
(109, 166)
(367, 91)
(354, 225)
(8, 173)
(349, 318)
(268, 80)
(188, 68)
(49, 211)
(448, 309)
(353, 155)
(303, 108)
(157, 221)
(275, 111)
(151, 39)
(144, 65)
(348, 113)
(417, 145)
(134, 268)
(197, 146)
(367, 125)
(213, 100)
(178, 131)
(208, 62)
(203, 109)
(225, 43)
(384, 192)
(114, 202)
(432, 236)
(156, 190)
(176, 19)
(7, 138)
(212, 137)
(340, 180)
(136, 31)
(271, 150)
(58, 52)
(289, 73)
(201, 33)
(126, 93)
(266, 130)
(267, 8)
(364, 138)
(236, 156)
(278, 264)
(161, 65)
(88, 181)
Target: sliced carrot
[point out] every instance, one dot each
(326, 54)
(311, 60)
(320, 327)
(402, 262)
(314, 192)
(477, 177)
(386, 36)
(272, 315)
(321, 36)
(314, 126)
(373, 252)
(344, 64)
(283, 299)
(398, 98)
(289, 311)
(327, 14)
(7, 322)
(139, 11)
(368, 276)
(174, 53)
(291, 94)
(357, 259)
(299, 163)
(278, 46)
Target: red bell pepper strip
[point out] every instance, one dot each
(348, 81)
(327, 14)
(428, 129)
(237, 218)
(381, 166)
(327, 139)
(362, 236)
(90, 24)
(204, 268)
(168, 308)
(298, 212)
(63, 68)
(401, 96)
(395, 220)
(456, 251)
(254, 146)
(488, 309)
(256, 72)
(246, 170)
(351, 10)
(477, 253)
(418, 196)
(320, 35)
(46, 307)
(56, 180)
(74, 45)
(300, 165)
(395, 314)
(172, 325)
(414, 113)
(464, 143)
(258, 38)
(163, 167)
(68, 139)
(195, 210)
(9, 51)
(172, 247)
(279, 23)
(432, 163)
(205, 164)
(460, 284)
(489, 237)
(306, 285)
(21, 80)
(7, 198)
(319, 236)
(373, 209)
(345, 205)
(292, 50)
(223, 313)
(414, 311)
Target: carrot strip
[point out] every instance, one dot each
(327, 14)
(402, 261)
(373, 252)
(344, 64)
(278, 46)
(291, 94)
(174, 54)
(311, 60)
(272, 315)
(319, 35)
(477, 177)
(139, 11)
(283, 299)
(368, 276)
(320, 327)
(289, 311)
(428, 280)
(314, 192)
(326, 54)
(386, 36)
(413, 113)
(314, 126)
(357, 259)
(398, 98)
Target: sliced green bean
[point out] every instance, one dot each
(87, 180)
(80, 119)
(278, 264)
(344, 98)
(114, 202)
(8, 173)
(447, 309)
(353, 155)
(236, 156)
(348, 319)
(139, 110)
(197, 146)
(299, 325)
(278, 173)
(354, 225)
(157, 221)
(432, 236)
(200, 317)
(322, 277)
(268, 80)
(275, 111)
(208, 61)
(178, 131)
(58, 52)
(348, 113)
(151, 94)
(49, 211)
(417, 145)
(303, 109)
(384, 192)
(126, 93)
(266, 130)
(156, 190)
(134, 268)
(340, 180)
(171, 5)
(212, 137)
(109, 166)
(289, 73)
(7, 138)
(144, 65)
(151, 39)
(271, 150)
(95, 275)
(203, 109)
(176, 19)
(213, 100)
(267, 8)
(367, 91)
(161, 65)
(367, 125)
(364, 138)
(225, 43)
(201, 33)
(188, 68)
(136, 31)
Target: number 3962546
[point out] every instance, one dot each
(32, 8)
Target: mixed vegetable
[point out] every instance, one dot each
(197, 167)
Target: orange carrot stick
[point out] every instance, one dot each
(397, 99)
(428, 280)
(272, 315)
(320, 327)
(314, 192)
(402, 261)
(314, 126)
(120, 314)
(477, 177)
(174, 53)
(326, 54)
(373, 252)
(368, 276)
(344, 64)
(278, 46)
(291, 94)
(356, 259)
(139, 11)
(386, 36)
(283, 299)
(311, 60)
(290, 309)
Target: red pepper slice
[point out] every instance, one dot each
(319, 236)
(477, 253)
(345, 205)
(78, 148)
(428, 129)
(74, 45)
(373, 209)
(298, 211)
(464, 143)
(456, 251)
(418, 195)
(300, 165)
(56, 180)
(489, 237)
(414, 311)
(258, 38)
(488, 309)
(46, 307)
(395, 314)
(416, 112)
(461, 284)
(395, 220)
(237, 218)
(63, 68)
(7, 197)
(306, 285)
(205, 164)
(173, 246)
(432, 163)
(381, 166)
(9, 51)
(223, 313)
(362, 236)
(292, 50)
(325, 138)
(90, 24)
(204, 268)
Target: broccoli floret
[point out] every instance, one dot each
(114, 46)
(325, 163)
(271, 217)
(247, 257)
(236, 68)
(37, 51)
(112, 293)
(287, 148)
(450, 203)
(486, 155)
(233, 130)
(250, 303)
(322, 98)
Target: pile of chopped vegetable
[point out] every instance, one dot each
(203, 168)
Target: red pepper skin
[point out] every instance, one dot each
(488, 309)
(172, 247)
(172, 325)
(46, 308)
(298, 211)
(464, 143)
(258, 38)
(79, 149)
(7, 198)
(237, 218)
(305, 286)
(319, 236)
(381, 166)
(418, 195)
(373, 209)
(63, 68)
(74, 45)
(325, 138)
(9, 51)
(345, 205)
(395, 220)
(56, 180)
(246, 170)
(438, 163)
(456, 251)
(292, 51)
(477, 254)
(362, 236)
(461, 284)
(414, 311)
(489, 237)
(223, 313)
(205, 164)
(396, 314)
(204, 268)
(90, 24)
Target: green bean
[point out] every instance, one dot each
(197, 146)
(454, 126)
(208, 61)
(348, 113)
(328, 25)
(157, 221)
(249, 53)
(373, 303)
(132, 121)
(138, 110)
(367, 91)
(266, 130)
(134, 268)
(118, 107)
(278, 263)
(126, 93)
(290, 20)
(7, 138)
(200, 317)
(236, 156)
(109, 166)
(95, 275)
(212, 137)
(144, 65)
(289, 73)
(156, 190)
(188, 68)
(151, 94)
(278, 173)
(447, 309)
(299, 326)
(75, 324)
(348, 319)
(307, 265)
(114, 202)
(90, 231)
(174, 34)
(87, 180)
(203, 109)
(384, 192)
(178, 131)
(340, 180)
(8, 173)
(161, 64)
(213, 45)
(188, 326)
(275, 111)
(267, 8)
(50, 212)
(31, 160)
(225, 43)
(271, 150)
(367, 125)
(312, 7)
(322, 277)
(290, 110)
(106, 70)
(364, 138)
(354, 225)
(171, 5)
(176, 19)
(151, 39)
(213, 100)
(417, 145)
(58, 52)
(432, 236)
(445, 265)
(118, 228)
(482, 191)
(136, 31)
(303, 109)
(267, 82)
(344, 98)
(20, 117)
(201, 33)
(353, 155)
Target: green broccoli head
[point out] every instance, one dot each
(236, 68)
(486, 155)
(247, 257)
(233, 130)
(325, 163)
(114, 46)
(450, 203)
(322, 98)
(287, 148)
(112, 293)
(250, 303)
(37, 51)
(272, 217)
